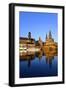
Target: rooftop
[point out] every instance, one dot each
(25, 38)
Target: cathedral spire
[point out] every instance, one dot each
(50, 35)
(46, 36)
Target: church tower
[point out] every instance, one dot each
(40, 41)
(46, 36)
(49, 38)
(29, 35)
(50, 35)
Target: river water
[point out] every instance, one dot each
(38, 65)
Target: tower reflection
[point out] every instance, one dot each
(30, 56)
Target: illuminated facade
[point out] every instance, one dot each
(30, 45)
(49, 44)
(26, 43)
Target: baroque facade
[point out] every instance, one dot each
(49, 44)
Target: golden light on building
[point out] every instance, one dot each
(49, 44)
(29, 44)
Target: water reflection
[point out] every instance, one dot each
(38, 60)
(29, 56)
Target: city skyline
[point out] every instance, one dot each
(47, 36)
(38, 24)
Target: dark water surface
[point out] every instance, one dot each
(38, 65)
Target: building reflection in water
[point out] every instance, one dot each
(29, 56)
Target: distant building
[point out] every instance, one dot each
(40, 42)
(49, 38)
(49, 44)
(37, 45)
(26, 43)
(29, 44)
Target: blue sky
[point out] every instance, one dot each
(39, 24)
